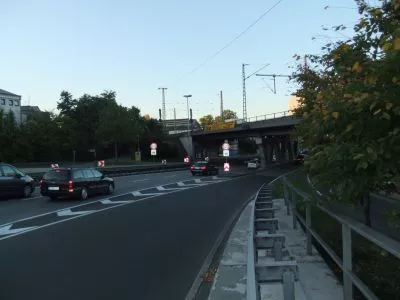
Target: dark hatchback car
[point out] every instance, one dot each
(14, 183)
(204, 168)
(75, 183)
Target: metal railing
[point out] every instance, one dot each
(348, 226)
(270, 116)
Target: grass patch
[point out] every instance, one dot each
(376, 268)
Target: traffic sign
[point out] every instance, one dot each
(225, 153)
(101, 163)
(153, 152)
(226, 146)
(153, 146)
(186, 160)
(54, 166)
(226, 167)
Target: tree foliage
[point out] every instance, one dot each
(349, 105)
(210, 121)
(90, 122)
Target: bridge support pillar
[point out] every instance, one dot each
(260, 149)
(269, 148)
(283, 150)
(290, 149)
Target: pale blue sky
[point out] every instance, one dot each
(134, 47)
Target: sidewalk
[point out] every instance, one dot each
(315, 279)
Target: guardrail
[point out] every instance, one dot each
(348, 226)
(270, 116)
(128, 170)
(281, 267)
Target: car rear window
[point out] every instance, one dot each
(200, 163)
(57, 175)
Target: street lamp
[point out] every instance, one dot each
(188, 125)
(188, 120)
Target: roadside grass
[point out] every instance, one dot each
(376, 268)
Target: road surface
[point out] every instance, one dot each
(150, 244)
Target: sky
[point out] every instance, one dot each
(134, 47)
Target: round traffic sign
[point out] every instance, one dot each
(225, 146)
(153, 146)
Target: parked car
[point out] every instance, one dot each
(253, 164)
(15, 183)
(78, 183)
(204, 168)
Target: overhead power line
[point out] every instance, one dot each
(266, 12)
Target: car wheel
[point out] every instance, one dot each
(84, 194)
(110, 189)
(27, 191)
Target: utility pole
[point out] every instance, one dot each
(244, 92)
(274, 78)
(221, 106)
(174, 120)
(164, 111)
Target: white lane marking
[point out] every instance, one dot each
(180, 183)
(317, 191)
(69, 212)
(141, 180)
(108, 201)
(28, 229)
(161, 188)
(7, 230)
(138, 194)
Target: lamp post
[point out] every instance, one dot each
(188, 119)
(188, 124)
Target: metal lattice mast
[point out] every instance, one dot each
(244, 92)
(221, 106)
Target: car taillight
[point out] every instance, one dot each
(202, 168)
(192, 167)
(70, 186)
(41, 181)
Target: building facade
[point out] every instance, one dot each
(27, 111)
(11, 102)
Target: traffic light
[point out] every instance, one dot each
(159, 113)
(191, 116)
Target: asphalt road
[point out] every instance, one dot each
(151, 248)
(12, 209)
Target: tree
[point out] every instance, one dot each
(67, 104)
(350, 107)
(206, 121)
(228, 114)
(117, 125)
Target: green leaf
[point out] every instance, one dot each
(386, 116)
(377, 112)
(358, 156)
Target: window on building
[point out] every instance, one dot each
(16, 103)
(3, 101)
(10, 102)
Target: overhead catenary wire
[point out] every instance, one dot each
(266, 12)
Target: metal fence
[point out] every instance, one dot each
(270, 116)
(286, 270)
(293, 195)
